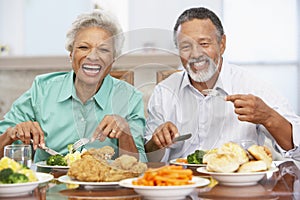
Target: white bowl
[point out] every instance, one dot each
(237, 179)
(165, 192)
(18, 189)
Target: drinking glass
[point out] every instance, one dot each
(21, 153)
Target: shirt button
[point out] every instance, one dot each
(82, 119)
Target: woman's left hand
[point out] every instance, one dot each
(112, 126)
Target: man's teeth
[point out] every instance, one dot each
(199, 64)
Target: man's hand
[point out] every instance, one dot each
(250, 108)
(163, 135)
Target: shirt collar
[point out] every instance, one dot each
(224, 78)
(101, 97)
(66, 87)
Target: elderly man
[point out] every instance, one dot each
(252, 111)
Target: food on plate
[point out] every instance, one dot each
(165, 176)
(223, 163)
(57, 159)
(261, 153)
(231, 157)
(253, 166)
(67, 160)
(196, 157)
(181, 160)
(237, 150)
(13, 172)
(94, 166)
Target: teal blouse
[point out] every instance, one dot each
(52, 102)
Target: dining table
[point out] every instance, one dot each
(282, 184)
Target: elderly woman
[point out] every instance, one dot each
(62, 107)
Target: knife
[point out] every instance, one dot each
(47, 149)
(50, 151)
(182, 137)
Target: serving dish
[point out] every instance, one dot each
(237, 179)
(165, 192)
(18, 189)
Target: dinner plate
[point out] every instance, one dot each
(165, 192)
(88, 185)
(237, 179)
(18, 189)
(174, 161)
(43, 164)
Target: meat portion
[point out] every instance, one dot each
(93, 167)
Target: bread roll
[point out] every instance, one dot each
(253, 166)
(261, 153)
(236, 150)
(225, 163)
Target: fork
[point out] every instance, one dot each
(83, 141)
(218, 92)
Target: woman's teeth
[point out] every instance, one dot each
(91, 68)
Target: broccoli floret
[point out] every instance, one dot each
(196, 157)
(18, 178)
(56, 160)
(4, 175)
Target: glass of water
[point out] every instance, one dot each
(21, 153)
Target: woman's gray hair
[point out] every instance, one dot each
(97, 18)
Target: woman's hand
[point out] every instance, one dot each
(112, 126)
(26, 131)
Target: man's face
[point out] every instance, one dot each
(92, 55)
(199, 48)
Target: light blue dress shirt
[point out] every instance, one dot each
(52, 102)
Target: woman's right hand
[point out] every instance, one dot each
(25, 131)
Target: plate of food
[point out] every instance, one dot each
(167, 182)
(165, 192)
(232, 165)
(237, 179)
(43, 164)
(92, 185)
(18, 189)
(194, 159)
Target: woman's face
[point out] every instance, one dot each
(92, 56)
(199, 48)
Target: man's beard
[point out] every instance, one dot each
(205, 74)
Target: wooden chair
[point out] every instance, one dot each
(127, 76)
(161, 75)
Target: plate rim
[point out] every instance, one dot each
(128, 184)
(42, 164)
(272, 169)
(71, 181)
(42, 178)
(173, 161)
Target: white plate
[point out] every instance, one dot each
(90, 185)
(237, 179)
(186, 164)
(43, 164)
(17, 189)
(165, 192)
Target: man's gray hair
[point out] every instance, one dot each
(97, 18)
